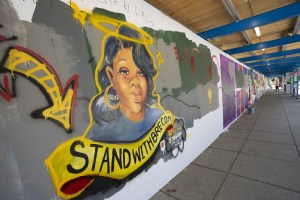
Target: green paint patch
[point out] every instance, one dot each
(195, 63)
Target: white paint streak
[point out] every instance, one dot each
(9, 113)
(24, 8)
(12, 187)
(3, 122)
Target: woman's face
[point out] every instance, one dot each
(130, 84)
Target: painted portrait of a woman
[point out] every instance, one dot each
(129, 131)
(127, 108)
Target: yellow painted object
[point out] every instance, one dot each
(81, 159)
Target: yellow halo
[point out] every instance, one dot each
(99, 21)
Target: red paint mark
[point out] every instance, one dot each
(240, 67)
(170, 128)
(6, 93)
(192, 58)
(171, 190)
(214, 57)
(73, 80)
(210, 71)
(2, 38)
(176, 52)
(76, 185)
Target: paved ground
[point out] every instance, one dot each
(257, 158)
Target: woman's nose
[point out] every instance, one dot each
(135, 81)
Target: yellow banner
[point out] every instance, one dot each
(74, 163)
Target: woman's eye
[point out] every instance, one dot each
(140, 73)
(123, 71)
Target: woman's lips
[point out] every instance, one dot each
(136, 95)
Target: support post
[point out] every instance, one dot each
(297, 83)
(290, 83)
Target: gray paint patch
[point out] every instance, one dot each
(11, 186)
(169, 65)
(56, 37)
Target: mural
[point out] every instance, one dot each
(262, 84)
(133, 96)
(246, 87)
(128, 125)
(228, 90)
(240, 83)
(240, 88)
(254, 86)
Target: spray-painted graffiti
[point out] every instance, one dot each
(4, 38)
(127, 124)
(129, 7)
(194, 68)
(197, 61)
(30, 65)
(7, 91)
(175, 137)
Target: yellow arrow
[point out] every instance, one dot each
(31, 65)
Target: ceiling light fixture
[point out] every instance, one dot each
(257, 31)
(263, 49)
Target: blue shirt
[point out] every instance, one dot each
(124, 130)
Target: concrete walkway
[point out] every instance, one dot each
(257, 158)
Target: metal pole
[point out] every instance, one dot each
(297, 84)
(290, 83)
(293, 85)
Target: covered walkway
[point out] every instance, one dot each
(257, 158)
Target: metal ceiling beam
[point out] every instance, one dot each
(297, 26)
(275, 74)
(277, 69)
(279, 14)
(295, 31)
(281, 60)
(264, 45)
(235, 15)
(270, 55)
(278, 65)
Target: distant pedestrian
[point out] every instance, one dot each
(277, 88)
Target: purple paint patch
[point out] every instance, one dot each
(228, 92)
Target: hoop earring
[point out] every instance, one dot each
(108, 100)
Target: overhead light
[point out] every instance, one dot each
(263, 49)
(257, 31)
